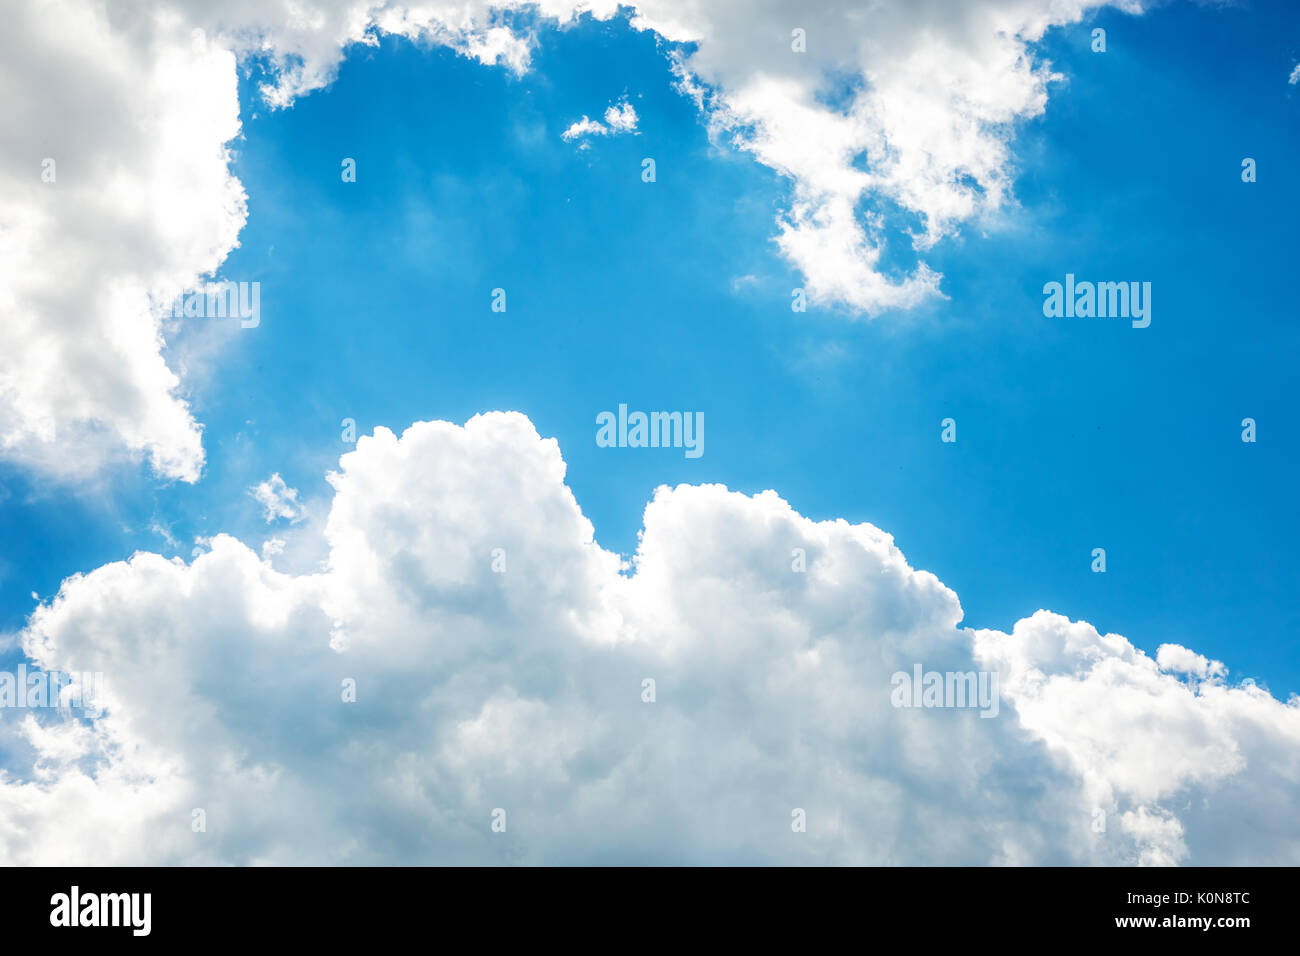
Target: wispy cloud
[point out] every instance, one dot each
(620, 117)
(277, 499)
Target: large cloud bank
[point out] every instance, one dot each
(906, 106)
(499, 654)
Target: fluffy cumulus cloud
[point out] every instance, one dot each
(882, 116)
(114, 169)
(901, 106)
(499, 658)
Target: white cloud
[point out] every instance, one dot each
(583, 127)
(1179, 660)
(1295, 75)
(910, 103)
(1151, 745)
(277, 499)
(620, 117)
(136, 123)
(499, 653)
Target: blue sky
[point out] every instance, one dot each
(915, 167)
(1072, 434)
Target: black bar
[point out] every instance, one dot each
(662, 906)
